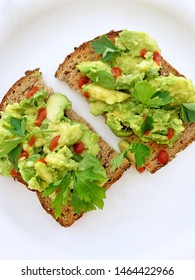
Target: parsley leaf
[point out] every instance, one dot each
(160, 98)
(118, 160)
(14, 154)
(143, 91)
(13, 147)
(92, 162)
(79, 188)
(105, 47)
(188, 112)
(8, 145)
(148, 94)
(62, 196)
(141, 153)
(147, 124)
(18, 126)
(87, 195)
(52, 187)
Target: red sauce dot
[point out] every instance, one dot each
(79, 147)
(163, 157)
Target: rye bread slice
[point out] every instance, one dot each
(68, 72)
(17, 93)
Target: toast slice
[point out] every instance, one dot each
(16, 94)
(68, 72)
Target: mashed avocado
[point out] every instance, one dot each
(126, 86)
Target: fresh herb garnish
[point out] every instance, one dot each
(87, 195)
(8, 145)
(159, 99)
(18, 126)
(143, 91)
(147, 125)
(188, 112)
(80, 187)
(105, 47)
(118, 160)
(14, 154)
(13, 147)
(63, 194)
(147, 94)
(140, 151)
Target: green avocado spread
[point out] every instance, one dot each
(51, 153)
(125, 84)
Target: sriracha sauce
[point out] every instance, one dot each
(31, 92)
(157, 57)
(79, 147)
(163, 157)
(83, 80)
(170, 133)
(86, 94)
(32, 141)
(143, 52)
(116, 71)
(54, 142)
(41, 115)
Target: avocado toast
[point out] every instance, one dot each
(46, 146)
(144, 100)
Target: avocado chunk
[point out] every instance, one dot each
(180, 88)
(56, 105)
(43, 172)
(108, 96)
(98, 72)
(97, 108)
(117, 126)
(134, 41)
(127, 82)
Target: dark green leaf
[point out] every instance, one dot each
(90, 174)
(105, 47)
(80, 187)
(160, 98)
(188, 112)
(63, 193)
(147, 124)
(79, 205)
(141, 153)
(52, 187)
(62, 196)
(86, 193)
(9, 145)
(18, 126)
(13, 155)
(189, 106)
(191, 116)
(58, 206)
(117, 161)
(184, 114)
(143, 91)
(92, 167)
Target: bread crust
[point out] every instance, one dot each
(68, 72)
(17, 93)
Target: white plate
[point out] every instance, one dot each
(145, 216)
